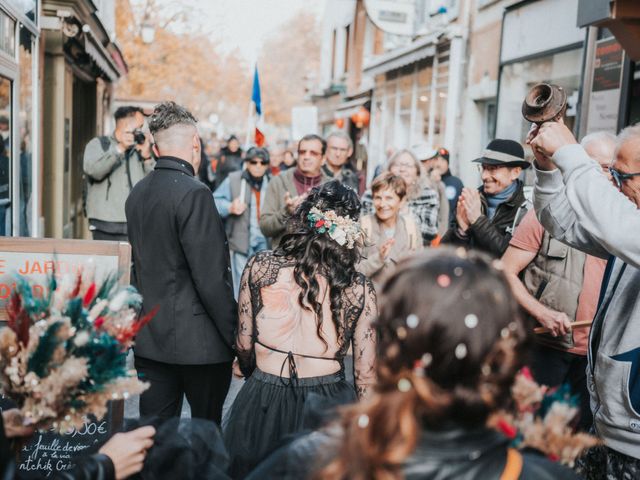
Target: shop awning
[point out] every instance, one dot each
(422, 48)
(102, 57)
(348, 108)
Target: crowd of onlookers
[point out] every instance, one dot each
(436, 355)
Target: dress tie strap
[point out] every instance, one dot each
(292, 381)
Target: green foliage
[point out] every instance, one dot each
(106, 361)
(39, 361)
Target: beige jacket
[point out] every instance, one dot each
(407, 239)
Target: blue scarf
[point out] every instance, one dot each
(494, 200)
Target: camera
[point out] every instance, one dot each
(139, 136)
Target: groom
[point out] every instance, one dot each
(181, 265)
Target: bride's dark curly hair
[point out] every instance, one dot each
(317, 254)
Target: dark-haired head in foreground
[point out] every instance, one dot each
(450, 341)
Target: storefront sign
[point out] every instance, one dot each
(39, 258)
(392, 16)
(605, 91)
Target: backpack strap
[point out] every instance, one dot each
(513, 466)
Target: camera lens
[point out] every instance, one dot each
(138, 137)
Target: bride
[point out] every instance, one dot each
(300, 309)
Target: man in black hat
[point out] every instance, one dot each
(485, 218)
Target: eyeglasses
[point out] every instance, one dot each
(313, 153)
(489, 168)
(619, 177)
(259, 162)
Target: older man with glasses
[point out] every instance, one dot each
(289, 189)
(581, 208)
(337, 160)
(240, 199)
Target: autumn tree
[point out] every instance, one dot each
(181, 64)
(286, 61)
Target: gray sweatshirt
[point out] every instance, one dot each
(580, 207)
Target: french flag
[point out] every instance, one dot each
(255, 98)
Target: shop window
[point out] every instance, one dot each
(25, 125)
(27, 7)
(634, 103)
(517, 78)
(7, 34)
(5, 156)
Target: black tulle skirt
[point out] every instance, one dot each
(269, 408)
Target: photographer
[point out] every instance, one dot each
(112, 166)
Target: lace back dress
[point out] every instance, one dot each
(290, 357)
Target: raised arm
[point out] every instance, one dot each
(582, 208)
(364, 344)
(97, 162)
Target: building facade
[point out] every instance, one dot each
(458, 79)
(81, 63)
(19, 110)
(57, 67)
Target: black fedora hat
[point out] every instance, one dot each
(505, 153)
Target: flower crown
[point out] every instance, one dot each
(342, 230)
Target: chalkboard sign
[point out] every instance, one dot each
(48, 452)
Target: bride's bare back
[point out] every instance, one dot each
(272, 323)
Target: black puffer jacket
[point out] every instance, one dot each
(493, 235)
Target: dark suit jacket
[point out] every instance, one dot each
(181, 264)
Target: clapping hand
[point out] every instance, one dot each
(291, 203)
(237, 207)
(472, 204)
(461, 215)
(385, 248)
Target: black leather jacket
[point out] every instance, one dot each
(456, 454)
(493, 235)
(474, 455)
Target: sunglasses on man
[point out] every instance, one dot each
(258, 162)
(619, 177)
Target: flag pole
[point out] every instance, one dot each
(249, 118)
